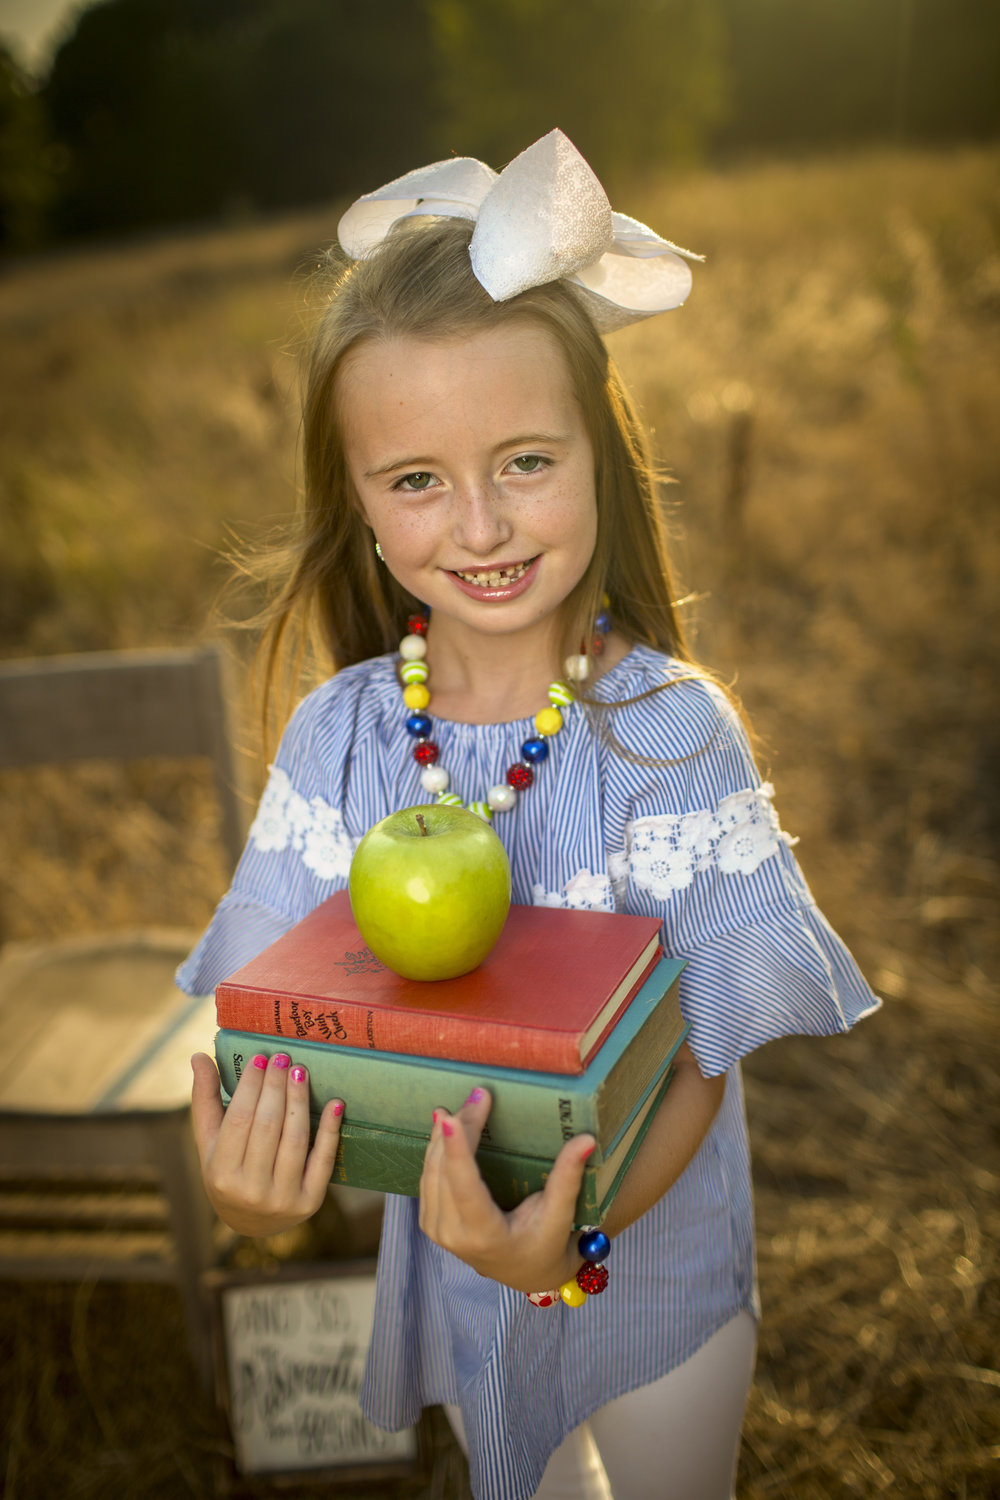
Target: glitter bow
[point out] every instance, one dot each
(545, 217)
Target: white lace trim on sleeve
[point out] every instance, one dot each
(665, 852)
(585, 892)
(313, 829)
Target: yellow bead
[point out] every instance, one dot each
(416, 695)
(572, 1295)
(548, 721)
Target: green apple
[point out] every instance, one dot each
(430, 890)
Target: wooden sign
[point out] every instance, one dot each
(290, 1355)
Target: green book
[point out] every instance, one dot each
(391, 1161)
(532, 1113)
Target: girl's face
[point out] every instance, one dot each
(475, 471)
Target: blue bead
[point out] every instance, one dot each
(420, 725)
(603, 622)
(593, 1244)
(534, 751)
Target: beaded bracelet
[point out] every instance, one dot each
(589, 1281)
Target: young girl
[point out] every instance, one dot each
(475, 478)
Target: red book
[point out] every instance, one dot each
(544, 999)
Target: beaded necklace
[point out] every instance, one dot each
(414, 673)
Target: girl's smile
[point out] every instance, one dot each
(507, 581)
(473, 466)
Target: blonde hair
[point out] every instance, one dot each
(419, 283)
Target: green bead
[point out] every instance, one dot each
(560, 695)
(449, 799)
(482, 810)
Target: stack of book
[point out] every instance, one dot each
(571, 1022)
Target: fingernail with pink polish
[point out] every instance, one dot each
(280, 1060)
(434, 1117)
(475, 1096)
(260, 1061)
(298, 1075)
(447, 1127)
(338, 1108)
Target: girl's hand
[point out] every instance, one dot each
(531, 1248)
(259, 1173)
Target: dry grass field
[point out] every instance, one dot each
(827, 407)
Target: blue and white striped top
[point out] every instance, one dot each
(695, 842)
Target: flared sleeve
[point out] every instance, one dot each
(300, 843)
(704, 851)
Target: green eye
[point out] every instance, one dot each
(418, 481)
(527, 463)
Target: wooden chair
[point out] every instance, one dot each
(98, 1172)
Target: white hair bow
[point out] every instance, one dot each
(545, 217)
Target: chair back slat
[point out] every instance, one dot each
(123, 705)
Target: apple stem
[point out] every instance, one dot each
(422, 825)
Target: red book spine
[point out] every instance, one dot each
(349, 1023)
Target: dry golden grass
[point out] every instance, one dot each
(826, 404)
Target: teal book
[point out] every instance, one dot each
(532, 1113)
(391, 1161)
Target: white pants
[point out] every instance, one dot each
(676, 1439)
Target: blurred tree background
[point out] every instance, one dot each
(156, 112)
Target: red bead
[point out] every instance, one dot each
(417, 624)
(520, 777)
(426, 753)
(597, 646)
(592, 1279)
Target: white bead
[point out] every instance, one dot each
(434, 779)
(577, 668)
(501, 797)
(413, 648)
